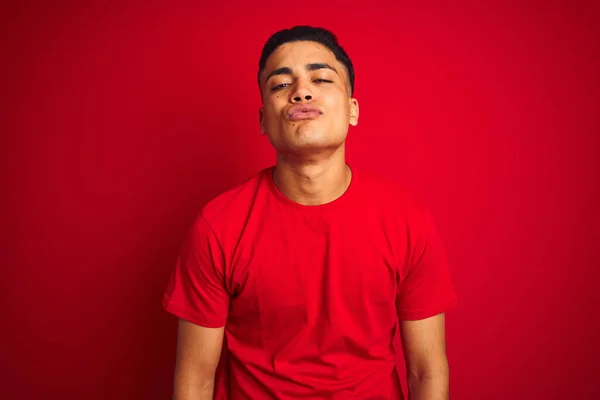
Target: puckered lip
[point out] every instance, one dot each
(301, 109)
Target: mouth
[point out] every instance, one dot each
(297, 113)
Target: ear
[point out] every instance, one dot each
(353, 112)
(261, 120)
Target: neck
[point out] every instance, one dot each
(312, 182)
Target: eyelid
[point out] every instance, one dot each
(285, 84)
(279, 86)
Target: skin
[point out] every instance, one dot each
(198, 354)
(424, 345)
(311, 166)
(311, 170)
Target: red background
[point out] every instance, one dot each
(120, 121)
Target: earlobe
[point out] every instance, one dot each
(353, 112)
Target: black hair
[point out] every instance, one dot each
(308, 34)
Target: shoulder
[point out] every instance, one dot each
(231, 207)
(234, 197)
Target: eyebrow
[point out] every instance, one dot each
(309, 67)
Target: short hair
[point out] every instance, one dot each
(307, 34)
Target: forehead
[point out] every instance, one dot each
(295, 54)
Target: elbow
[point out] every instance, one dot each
(429, 379)
(193, 384)
(185, 389)
(420, 373)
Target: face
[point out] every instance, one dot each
(306, 102)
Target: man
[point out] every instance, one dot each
(304, 273)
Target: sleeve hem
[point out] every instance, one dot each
(413, 315)
(185, 313)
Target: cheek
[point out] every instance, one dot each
(340, 112)
(270, 115)
(337, 102)
(273, 109)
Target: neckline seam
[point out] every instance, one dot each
(287, 202)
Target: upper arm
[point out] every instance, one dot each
(425, 287)
(424, 346)
(198, 354)
(197, 290)
(198, 295)
(425, 292)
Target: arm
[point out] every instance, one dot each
(424, 345)
(198, 354)
(197, 294)
(425, 292)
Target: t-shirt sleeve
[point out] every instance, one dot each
(196, 290)
(425, 287)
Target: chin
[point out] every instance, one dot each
(305, 138)
(305, 146)
(309, 137)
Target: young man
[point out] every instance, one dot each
(304, 273)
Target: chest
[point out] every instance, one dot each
(320, 264)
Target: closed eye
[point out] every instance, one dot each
(284, 85)
(281, 86)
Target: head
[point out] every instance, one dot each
(306, 82)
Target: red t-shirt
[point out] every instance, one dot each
(310, 295)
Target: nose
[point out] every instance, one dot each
(298, 99)
(302, 92)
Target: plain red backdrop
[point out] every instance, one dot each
(119, 121)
